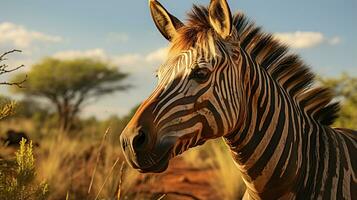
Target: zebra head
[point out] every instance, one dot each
(195, 99)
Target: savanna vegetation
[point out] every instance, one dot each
(80, 158)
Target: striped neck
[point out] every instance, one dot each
(266, 144)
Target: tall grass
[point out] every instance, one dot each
(74, 162)
(68, 165)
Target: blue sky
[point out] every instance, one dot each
(322, 32)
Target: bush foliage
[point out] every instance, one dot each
(17, 177)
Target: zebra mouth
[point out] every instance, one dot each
(157, 166)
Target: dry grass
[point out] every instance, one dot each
(68, 165)
(87, 165)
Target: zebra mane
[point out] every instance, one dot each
(286, 68)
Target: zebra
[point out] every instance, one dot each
(225, 77)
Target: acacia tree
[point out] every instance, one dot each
(69, 84)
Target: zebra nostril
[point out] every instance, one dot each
(139, 140)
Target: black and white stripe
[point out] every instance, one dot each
(245, 87)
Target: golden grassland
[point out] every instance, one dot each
(88, 164)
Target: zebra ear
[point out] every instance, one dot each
(164, 21)
(220, 17)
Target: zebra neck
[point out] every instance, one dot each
(266, 140)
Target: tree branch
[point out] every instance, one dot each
(4, 69)
(2, 57)
(19, 84)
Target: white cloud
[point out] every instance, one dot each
(117, 37)
(300, 39)
(141, 62)
(135, 59)
(157, 56)
(127, 59)
(131, 62)
(91, 53)
(20, 37)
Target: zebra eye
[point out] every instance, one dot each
(200, 74)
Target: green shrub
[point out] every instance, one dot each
(17, 177)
